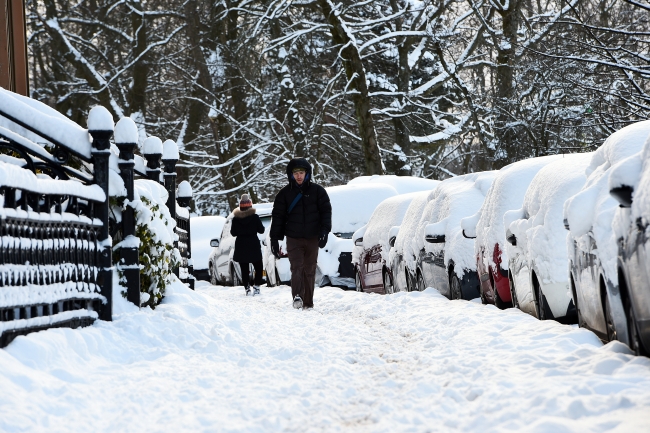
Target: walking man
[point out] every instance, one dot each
(302, 212)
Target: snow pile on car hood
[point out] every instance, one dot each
(538, 225)
(403, 184)
(506, 193)
(203, 229)
(388, 214)
(406, 234)
(592, 209)
(454, 199)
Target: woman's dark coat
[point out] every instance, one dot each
(245, 226)
(312, 215)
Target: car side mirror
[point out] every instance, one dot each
(435, 239)
(512, 239)
(358, 242)
(623, 194)
(214, 243)
(391, 241)
(468, 237)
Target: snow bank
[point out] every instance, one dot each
(387, 215)
(451, 201)
(591, 211)
(203, 229)
(540, 232)
(403, 184)
(404, 241)
(216, 360)
(507, 193)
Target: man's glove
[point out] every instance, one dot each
(275, 248)
(322, 240)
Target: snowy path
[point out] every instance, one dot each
(215, 360)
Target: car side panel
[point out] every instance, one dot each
(639, 271)
(521, 275)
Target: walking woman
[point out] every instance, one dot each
(246, 224)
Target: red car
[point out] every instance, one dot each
(373, 242)
(506, 193)
(495, 286)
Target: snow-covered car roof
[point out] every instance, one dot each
(352, 205)
(406, 234)
(202, 230)
(403, 184)
(538, 225)
(454, 199)
(506, 193)
(383, 224)
(592, 209)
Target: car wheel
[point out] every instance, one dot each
(543, 310)
(454, 286)
(388, 286)
(611, 326)
(235, 278)
(581, 321)
(357, 282)
(421, 284)
(633, 332)
(513, 292)
(213, 276)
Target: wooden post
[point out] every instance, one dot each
(13, 47)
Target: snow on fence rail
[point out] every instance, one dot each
(55, 250)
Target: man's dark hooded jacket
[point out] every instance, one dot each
(311, 216)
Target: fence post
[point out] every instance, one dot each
(152, 150)
(126, 139)
(184, 198)
(170, 158)
(100, 127)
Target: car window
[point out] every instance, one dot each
(266, 221)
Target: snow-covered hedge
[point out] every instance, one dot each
(154, 238)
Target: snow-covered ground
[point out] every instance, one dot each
(215, 360)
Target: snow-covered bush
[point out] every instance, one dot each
(155, 237)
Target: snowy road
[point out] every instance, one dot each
(216, 360)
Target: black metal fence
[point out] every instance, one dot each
(55, 249)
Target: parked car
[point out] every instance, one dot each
(445, 259)
(352, 206)
(402, 184)
(539, 277)
(506, 193)
(402, 256)
(221, 267)
(629, 184)
(203, 229)
(592, 244)
(372, 244)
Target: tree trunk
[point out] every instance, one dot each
(356, 75)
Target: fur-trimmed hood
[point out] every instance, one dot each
(238, 213)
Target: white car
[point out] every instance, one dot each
(352, 206)
(592, 242)
(445, 259)
(221, 267)
(203, 229)
(539, 276)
